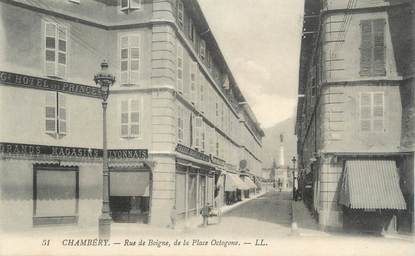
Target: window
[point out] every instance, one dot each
(313, 87)
(191, 30)
(202, 52)
(372, 111)
(180, 12)
(179, 67)
(130, 59)
(197, 132)
(180, 124)
(130, 118)
(56, 194)
(55, 114)
(217, 144)
(372, 48)
(201, 92)
(127, 5)
(55, 50)
(193, 73)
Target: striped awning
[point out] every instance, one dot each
(250, 183)
(371, 184)
(233, 182)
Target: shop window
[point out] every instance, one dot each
(127, 5)
(55, 194)
(130, 118)
(180, 13)
(55, 50)
(372, 112)
(372, 48)
(130, 59)
(56, 114)
(179, 67)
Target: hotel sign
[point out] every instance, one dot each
(69, 152)
(48, 84)
(191, 152)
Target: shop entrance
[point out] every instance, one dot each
(130, 195)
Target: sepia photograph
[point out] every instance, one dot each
(207, 127)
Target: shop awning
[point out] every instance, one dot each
(233, 182)
(129, 183)
(250, 183)
(371, 184)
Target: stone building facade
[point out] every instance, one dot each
(355, 113)
(177, 121)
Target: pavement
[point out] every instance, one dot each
(261, 225)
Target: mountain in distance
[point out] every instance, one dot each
(271, 143)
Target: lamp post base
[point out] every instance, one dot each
(104, 226)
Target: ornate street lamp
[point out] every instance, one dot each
(294, 192)
(104, 80)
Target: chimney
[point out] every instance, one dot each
(281, 159)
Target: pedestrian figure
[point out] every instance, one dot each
(173, 213)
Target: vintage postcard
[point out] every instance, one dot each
(207, 127)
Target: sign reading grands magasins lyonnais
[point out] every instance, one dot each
(48, 84)
(35, 150)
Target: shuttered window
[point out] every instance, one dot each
(179, 67)
(197, 132)
(372, 48)
(372, 112)
(202, 52)
(191, 31)
(180, 124)
(193, 86)
(56, 114)
(130, 59)
(55, 50)
(130, 118)
(50, 113)
(180, 13)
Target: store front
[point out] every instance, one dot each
(130, 190)
(370, 195)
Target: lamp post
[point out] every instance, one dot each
(104, 80)
(294, 192)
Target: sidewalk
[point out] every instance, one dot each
(303, 223)
(197, 221)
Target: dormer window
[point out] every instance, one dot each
(127, 5)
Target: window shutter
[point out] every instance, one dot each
(379, 47)
(134, 118)
(124, 118)
(125, 4)
(62, 50)
(365, 112)
(365, 48)
(202, 82)
(50, 49)
(378, 111)
(134, 49)
(62, 115)
(180, 115)
(180, 11)
(50, 113)
(124, 56)
(202, 49)
(179, 67)
(193, 82)
(198, 132)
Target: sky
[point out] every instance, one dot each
(260, 40)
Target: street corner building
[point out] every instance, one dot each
(180, 133)
(355, 114)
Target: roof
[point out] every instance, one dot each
(371, 184)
